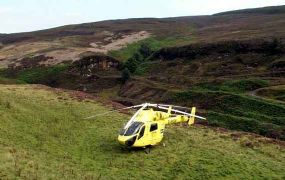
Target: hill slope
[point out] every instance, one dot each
(227, 65)
(43, 135)
(237, 84)
(230, 66)
(68, 42)
(265, 10)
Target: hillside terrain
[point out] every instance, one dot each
(264, 10)
(227, 81)
(44, 136)
(230, 65)
(72, 40)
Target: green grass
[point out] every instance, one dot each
(236, 86)
(44, 136)
(44, 75)
(36, 75)
(153, 42)
(142, 69)
(4, 80)
(274, 92)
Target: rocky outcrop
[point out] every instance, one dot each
(91, 64)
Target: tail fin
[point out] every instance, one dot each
(192, 118)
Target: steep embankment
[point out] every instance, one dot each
(43, 135)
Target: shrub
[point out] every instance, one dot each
(126, 75)
(145, 50)
(137, 59)
(278, 64)
(274, 47)
(131, 64)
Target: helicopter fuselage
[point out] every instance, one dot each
(146, 127)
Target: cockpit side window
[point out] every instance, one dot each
(153, 127)
(141, 132)
(133, 129)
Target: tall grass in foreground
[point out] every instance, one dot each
(43, 136)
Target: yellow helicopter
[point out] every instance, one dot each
(146, 127)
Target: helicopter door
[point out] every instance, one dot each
(154, 131)
(141, 132)
(153, 127)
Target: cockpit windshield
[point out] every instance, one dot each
(133, 129)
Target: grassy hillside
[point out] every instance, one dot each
(43, 75)
(239, 112)
(225, 105)
(44, 136)
(230, 66)
(238, 84)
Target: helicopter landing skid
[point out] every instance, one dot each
(147, 150)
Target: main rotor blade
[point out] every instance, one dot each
(177, 111)
(168, 105)
(200, 117)
(181, 107)
(130, 107)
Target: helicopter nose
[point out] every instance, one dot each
(122, 140)
(127, 140)
(131, 141)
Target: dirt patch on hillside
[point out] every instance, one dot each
(59, 56)
(20, 50)
(118, 42)
(59, 52)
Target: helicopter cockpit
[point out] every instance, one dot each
(132, 129)
(136, 129)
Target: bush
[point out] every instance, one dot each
(145, 50)
(274, 47)
(126, 75)
(133, 63)
(278, 64)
